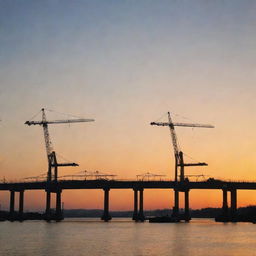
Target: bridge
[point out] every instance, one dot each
(54, 185)
(138, 186)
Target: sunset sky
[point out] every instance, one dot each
(125, 64)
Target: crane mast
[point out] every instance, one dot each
(173, 135)
(178, 154)
(175, 145)
(48, 143)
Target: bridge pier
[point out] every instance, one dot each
(135, 208)
(175, 211)
(21, 205)
(141, 216)
(225, 203)
(58, 213)
(12, 214)
(48, 205)
(106, 216)
(233, 208)
(187, 215)
(12, 204)
(228, 214)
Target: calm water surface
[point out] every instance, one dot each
(124, 237)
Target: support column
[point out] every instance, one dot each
(21, 204)
(181, 166)
(12, 202)
(55, 167)
(187, 215)
(106, 217)
(233, 202)
(175, 212)
(48, 205)
(135, 209)
(141, 216)
(58, 206)
(225, 202)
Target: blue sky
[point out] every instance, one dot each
(125, 63)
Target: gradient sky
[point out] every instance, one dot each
(126, 63)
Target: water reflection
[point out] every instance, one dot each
(122, 237)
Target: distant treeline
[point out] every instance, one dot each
(91, 213)
(199, 213)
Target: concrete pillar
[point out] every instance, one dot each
(233, 202)
(175, 212)
(106, 217)
(225, 202)
(141, 216)
(58, 205)
(21, 204)
(12, 202)
(135, 209)
(48, 205)
(187, 215)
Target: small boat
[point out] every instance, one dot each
(163, 219)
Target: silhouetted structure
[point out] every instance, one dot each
(138, 188)
(52, 174)
(180, 165)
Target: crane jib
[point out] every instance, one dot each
(58, 121)
(182, 124)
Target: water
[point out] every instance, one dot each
(122, 237)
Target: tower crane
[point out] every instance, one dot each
(51, 155)
(178, 154)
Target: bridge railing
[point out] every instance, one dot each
(75, 178)
(14, 181)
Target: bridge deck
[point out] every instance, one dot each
(115, 184)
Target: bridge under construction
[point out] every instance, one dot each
(138, 187)
(51, 183)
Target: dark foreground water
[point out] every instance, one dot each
(124, 237)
